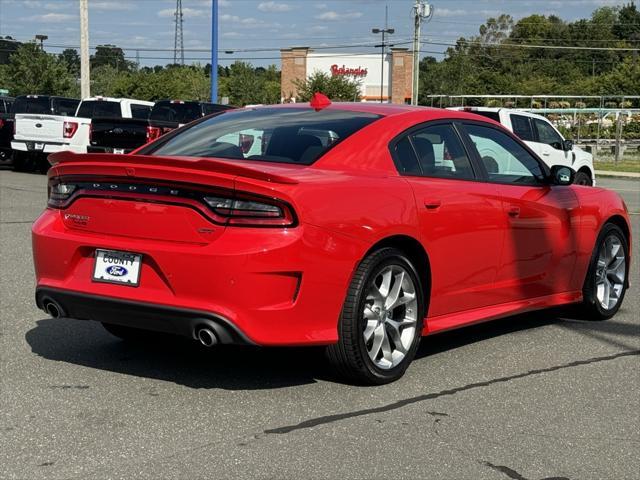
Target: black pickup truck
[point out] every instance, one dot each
(6, 128)
(122, 135)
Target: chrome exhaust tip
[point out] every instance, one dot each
(206, 337)
(53, 309)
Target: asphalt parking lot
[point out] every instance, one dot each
(529, 397)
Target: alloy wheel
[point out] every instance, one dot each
(390, 316)
(610, 272)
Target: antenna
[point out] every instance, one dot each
(178, 39)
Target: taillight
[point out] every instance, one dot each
(69, 129)
(153, 133)
(59, 194)
(1, 123)
(250, 211)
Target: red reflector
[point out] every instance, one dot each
(319, 101)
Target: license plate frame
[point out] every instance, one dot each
(108, 266)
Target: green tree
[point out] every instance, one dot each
(7, 46)
(628, 25)
(337, 87)
(72, 61)
(110, 55)
(32, 71)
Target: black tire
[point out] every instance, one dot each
(349, 356)
(582, 178)
(591, 308)
(128, 334)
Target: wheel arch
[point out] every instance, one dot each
(416, 252)
(620, 221)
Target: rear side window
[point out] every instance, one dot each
(440, 153)
(99, 108)
(522, 127)
(285, 135)
(65, 106)
(140, 111)
(32, 104)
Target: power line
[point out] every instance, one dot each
(524, 45)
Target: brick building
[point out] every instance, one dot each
(395, 74)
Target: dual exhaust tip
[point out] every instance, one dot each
(205, 335)
(53, 309)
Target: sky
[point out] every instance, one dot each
(136, 25)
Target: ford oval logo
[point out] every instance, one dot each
(38, 125)
(117, 271)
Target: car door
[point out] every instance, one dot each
(541, 241)
(550, 144)
(461, 219)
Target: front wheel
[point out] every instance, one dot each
(381, 322)
(582, 178)
(606, 281)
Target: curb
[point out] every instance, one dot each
(607, 173)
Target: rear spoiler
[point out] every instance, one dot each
(215, 165)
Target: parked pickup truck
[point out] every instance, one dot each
(543, 138)
(37, 135)
(6, 128)
(122, 135)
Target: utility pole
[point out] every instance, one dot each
(421, 11)
(85, 80)
(214, 51)
(383, 48)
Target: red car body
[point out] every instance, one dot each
(484, 250)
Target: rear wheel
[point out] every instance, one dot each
(381, 322)
(582, 178)
(606, 281)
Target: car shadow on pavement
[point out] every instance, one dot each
(184, 362)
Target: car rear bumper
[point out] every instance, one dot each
(94, 149)
(272, 286)
(146, 316)
(47, 147)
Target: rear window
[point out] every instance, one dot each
(65, 106)
(286, 135)
(176, 112)
(140, 111)
(522, 127)
(99, 108)
(492, 115)
(210, 108)
(32, 104)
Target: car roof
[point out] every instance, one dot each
(390, 109)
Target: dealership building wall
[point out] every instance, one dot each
(395, 72)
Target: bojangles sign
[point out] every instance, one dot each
(351, 72)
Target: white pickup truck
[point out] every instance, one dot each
(38, 135)
(543, 138)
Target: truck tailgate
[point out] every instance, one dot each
(121, 133)
(39, 127)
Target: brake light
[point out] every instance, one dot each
(59, 193)
(250, 211)
(69, 129)
(1, 123)
(153, 133)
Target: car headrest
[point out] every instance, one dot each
(426, 155)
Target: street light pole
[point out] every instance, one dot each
(382, 52)
(41, 39)
(214, 51)
(421, 11)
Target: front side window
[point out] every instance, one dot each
(440, 153)
(522, 128)
(547, 134)
(285, 135)
(505, 160)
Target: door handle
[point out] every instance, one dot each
(432, 204)
(513, 211)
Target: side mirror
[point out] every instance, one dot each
(562, 175)
(567, 145)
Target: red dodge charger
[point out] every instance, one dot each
(357, 226)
